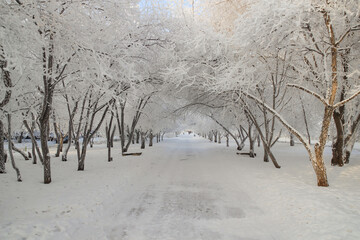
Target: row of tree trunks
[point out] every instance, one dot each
(125, 143)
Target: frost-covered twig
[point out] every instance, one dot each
(339, 104)
(310, 92)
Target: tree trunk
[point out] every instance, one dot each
(227, 140)
(292, 142)
(34, 146)
(305, 121)
(60, 145)
(120, 121)
(142, 140)
(266, 155)
(59, 139)
(137, 136)
(33, 140)
(219, 138)
(112, 136)
(151, 139)
(2, 151)
(337, 148)
(10, 145)
(252, 150)
(252, 153)
(81, 161)
(109, 145)
(5, 76)
(319, 165)
(20, 138)
(109, 137)
(348, 148)
(45, 152)
(33, 150)
(70, 134)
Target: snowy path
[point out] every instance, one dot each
(186, 193)
(185, 189)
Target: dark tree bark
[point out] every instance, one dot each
(20, 137)
(34, 146)
(292, 142)
(48, 92)
(112, 137)
(5, 75)
(143, 138)
(350, 139)
(337, 148)
(121, 125)
(227, 139)
(109, 137)
(215, 136)
(10, 150)
(2, 151)
(137, 136)
(151, 139)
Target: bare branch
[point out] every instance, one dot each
(197, 103)
(310, 92)
(339, 104)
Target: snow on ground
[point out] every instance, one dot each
(184, 188)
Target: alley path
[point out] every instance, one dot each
(186, 191)
(184, 188)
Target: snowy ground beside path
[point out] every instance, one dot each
(183, 188)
